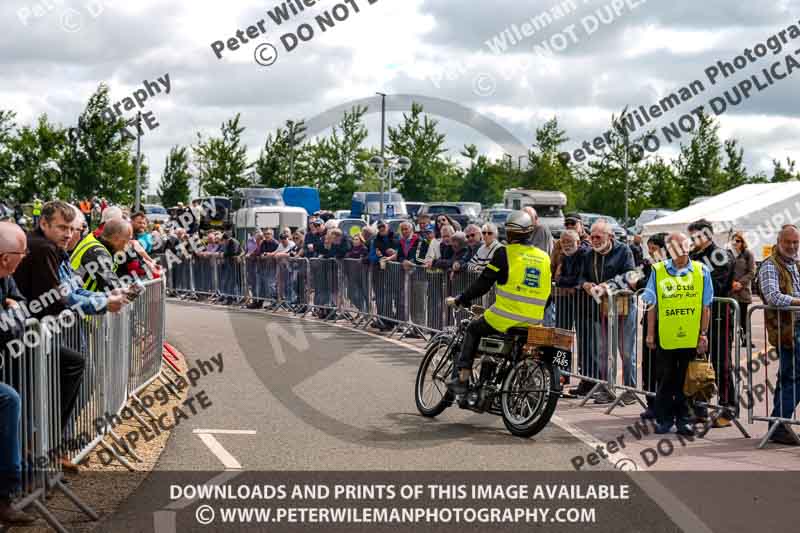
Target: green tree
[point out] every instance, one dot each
(661, 185)
(478, 185)
(340, 161)
(222, 161)
(8, 185)
(35, 155)
(781, 174)
(546, 171)
(418, 138)
(272, 165)
(699, 163)
(174, 186)
(734, 172)
(97, 159)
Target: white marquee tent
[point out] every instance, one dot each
(759, 210)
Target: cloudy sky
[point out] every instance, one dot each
(56, 52)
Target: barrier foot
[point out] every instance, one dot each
(169, 384)
(88, 511)
(135, 398)
(125, 446)
(591, 393)
(48, 516)
(741, 428)
(614, 404)
(769, 435)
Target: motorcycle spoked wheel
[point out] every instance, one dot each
(529, 399)
(430, 391)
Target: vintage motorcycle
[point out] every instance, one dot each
(511, 377)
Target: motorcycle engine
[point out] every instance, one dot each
(481, 398)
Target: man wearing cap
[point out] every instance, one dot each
(572, 221)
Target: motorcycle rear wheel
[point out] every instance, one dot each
(530, 397)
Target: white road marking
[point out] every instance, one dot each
(224, 456)
(227, 431)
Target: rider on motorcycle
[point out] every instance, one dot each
(522, 275)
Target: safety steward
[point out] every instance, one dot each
(94, 257)
(679, 292)
(521, 273)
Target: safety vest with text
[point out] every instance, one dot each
(37, 208)
(680, 306)
(87, 243)
(521, 300)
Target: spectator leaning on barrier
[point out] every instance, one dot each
(679, 292)
(744, 271)
(541, 237)
(408, 246)
(474, 240)
(436, 247)
(426, 237)
(13, 247)
(93, 258)
(268, 244)
(572, 221)
(606, 269)
(230, 250)
(779, 283)
(720, 261)
(46, 276)
(484, 255)
(423, 221)
(339, 245)
(140, 233)
(79, 227)
(455, 257)
(359, 249)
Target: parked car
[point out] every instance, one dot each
(341, 214)
(619, 232)
(156, 213)
(463, 213)
(413, 208)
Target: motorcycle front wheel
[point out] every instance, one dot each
(430, 391)
(529, 397)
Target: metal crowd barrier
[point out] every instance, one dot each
(784, 381)
(121, 355)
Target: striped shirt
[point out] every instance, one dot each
(769, 283)
(482, 257)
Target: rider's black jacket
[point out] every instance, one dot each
(488, 278)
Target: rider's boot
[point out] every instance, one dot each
(457, 383)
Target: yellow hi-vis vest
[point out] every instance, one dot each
(680, 306)
(521, 300)
(37, 208)
(87, 243)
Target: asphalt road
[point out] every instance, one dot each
(308, 396)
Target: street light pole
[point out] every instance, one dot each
(383, 146)
(138, 161)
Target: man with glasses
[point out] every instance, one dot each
(486, 251)
(607, 268)
(574, 222)
(46, 276)
(720, 262)
(779, 279)
(474, 241)
(13, 248)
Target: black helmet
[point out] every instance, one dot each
(519, 227)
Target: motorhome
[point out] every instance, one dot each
(549, 205)
(261, 208)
